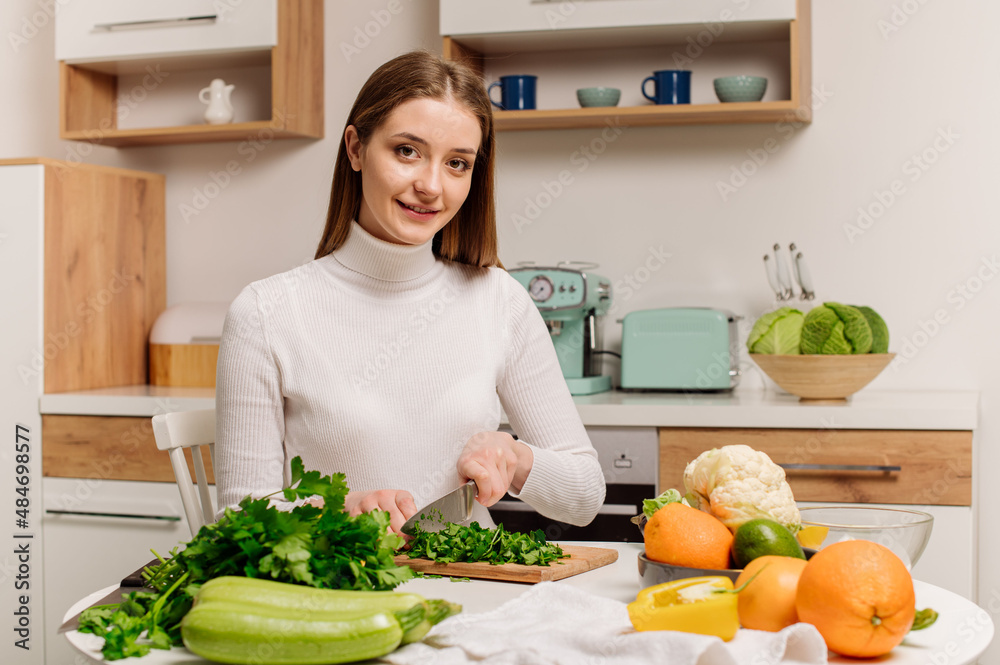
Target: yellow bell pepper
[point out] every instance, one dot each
(703, 605)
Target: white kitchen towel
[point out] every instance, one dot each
(558, 624)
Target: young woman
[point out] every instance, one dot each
(390, 356)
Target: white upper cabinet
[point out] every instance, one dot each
(116, 30)
(470, 17)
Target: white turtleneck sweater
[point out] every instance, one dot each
(381, 361)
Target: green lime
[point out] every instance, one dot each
(761, 537)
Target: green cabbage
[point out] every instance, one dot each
(777, 332)
(880, 331)
(650, 506)
(832, 328)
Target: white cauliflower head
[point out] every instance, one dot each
(737, 484)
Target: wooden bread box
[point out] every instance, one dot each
(184, 345)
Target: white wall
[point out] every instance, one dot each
(887, 97)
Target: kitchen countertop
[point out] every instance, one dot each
(868, 409)
(962, 632)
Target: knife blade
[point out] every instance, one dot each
(454, 507)
(113, 598)
(131, 582)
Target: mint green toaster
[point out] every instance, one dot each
(680, 348)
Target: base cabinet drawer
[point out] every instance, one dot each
(846, 466)
(95, 533)
(107, 448)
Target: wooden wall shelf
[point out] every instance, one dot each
(261, 130)
(88, 96)
(651, 115)
(478, 49)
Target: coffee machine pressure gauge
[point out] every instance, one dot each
(540, 288)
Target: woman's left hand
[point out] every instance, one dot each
(496, 461)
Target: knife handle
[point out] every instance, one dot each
(805, 280)
(772, 277)
(784, 277)
(134, 579)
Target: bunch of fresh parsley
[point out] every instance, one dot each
(320, 547)
(475, 543)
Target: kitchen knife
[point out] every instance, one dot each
(454, 507)
(113, 598)
(805, 280)
(784, 277)
(772, 277)
(131, 582)
(795, 270)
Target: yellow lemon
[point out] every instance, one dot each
(812, 536)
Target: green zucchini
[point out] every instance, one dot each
(244, 620)
(297, 596)
(245, 634)
(435, 612)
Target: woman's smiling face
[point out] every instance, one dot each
(416, 169)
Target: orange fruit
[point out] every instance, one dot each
(684, 536)
(859, 595)
(768, 601)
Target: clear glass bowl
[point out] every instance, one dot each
(905, 532)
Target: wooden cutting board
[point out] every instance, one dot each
(581, 560)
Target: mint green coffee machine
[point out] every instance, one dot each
(571, 301)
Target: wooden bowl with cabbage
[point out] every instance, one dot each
(826, 354)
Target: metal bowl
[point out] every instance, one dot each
(654, 572)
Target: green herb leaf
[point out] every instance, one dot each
(924, 619)
(323, 547)
(474, 543)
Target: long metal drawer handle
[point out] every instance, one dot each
(156, 23)
(168, 518)
(881, 468)
(606, 509)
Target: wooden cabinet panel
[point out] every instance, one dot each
(105, 274)
(883, 466)
(106, 448)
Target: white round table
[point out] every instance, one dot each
(962, 632)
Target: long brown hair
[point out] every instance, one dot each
(471, 236)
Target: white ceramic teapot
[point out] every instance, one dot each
(220, 108)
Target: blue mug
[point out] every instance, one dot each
(672, 86)
(517, 93)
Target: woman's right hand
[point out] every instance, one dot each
(398, 503)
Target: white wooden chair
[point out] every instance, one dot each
(189, 429)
